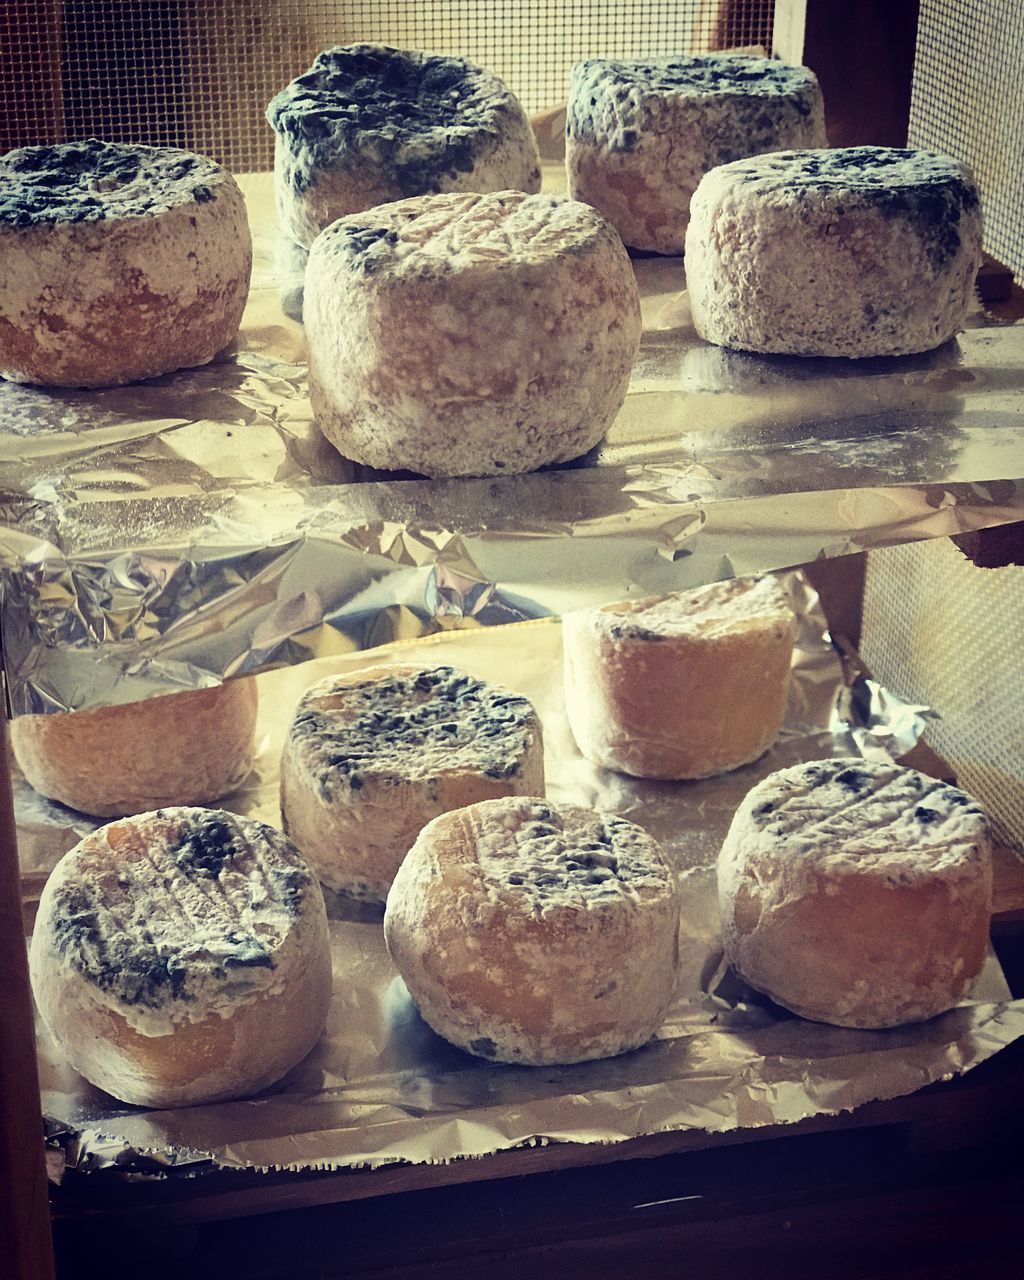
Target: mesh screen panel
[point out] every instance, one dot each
(940, 631)
(967, 100)
(199, 73)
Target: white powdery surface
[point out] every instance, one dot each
(468, 334)
(709, 612)
(641, 135)
(860, 251)
(176, 915)
(530, 932)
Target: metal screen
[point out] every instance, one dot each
(968, 99)
(940, 631)
(199, 73)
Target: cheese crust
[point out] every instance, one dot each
(857, 893)
(117, 262)
(184, 748)
(459, 335)
(181, 957)
(536, 933)
(368, 124)
(641, 135)
(860, 251)
(686, 685)
(373, 756)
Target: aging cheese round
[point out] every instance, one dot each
(117, 262)
(860, 251)
(461, 335)
(368, 124)
(373, 756)
(536, 933)
(180, 749)
(640, 135)
(182, 957)
(857, 893)
(684, 685)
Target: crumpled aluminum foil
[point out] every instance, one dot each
(381, 1087)
(197, 526)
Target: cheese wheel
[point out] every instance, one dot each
(372, 756)
(457, 335)
(861, 251)
(182, 957)
(641, 135)
(685, 685)
(857, 893)
(117, 262)
(368, 124)
(182, 748)
(534, 933)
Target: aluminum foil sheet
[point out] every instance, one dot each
(197, 526)
(381, 1087)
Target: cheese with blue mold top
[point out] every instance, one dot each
(182, 956)
(858, 251)
(373, 756)
(117, 262)
(857, 892)
(368, 124)
(641, 134)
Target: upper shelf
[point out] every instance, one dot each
(196, 526)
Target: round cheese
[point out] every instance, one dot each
(857, 893)
(641, 135)
(117, 262)
(534, 933)
(179, 749)
(368, 124)
(685, 685)
(861, 251)
(373, 756)
(182, 957)
(458, 335)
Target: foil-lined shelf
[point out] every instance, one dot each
(381, 1088)
(197, 526)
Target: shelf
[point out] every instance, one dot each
(197, 526)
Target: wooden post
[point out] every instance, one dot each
(863, 55)
(26, 1246)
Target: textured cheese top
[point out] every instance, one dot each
(719, 609)
(610, 99)
(535, 858)
(849, 816)
(925, 188)
(177, 914)
(407, 724)
(416, 116)
(440, 236)
(93, 181)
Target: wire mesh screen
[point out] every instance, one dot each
(940, 631)
(199, 73)
(967, 100)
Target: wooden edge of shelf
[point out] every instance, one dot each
(946, 1115)
(26, 1247)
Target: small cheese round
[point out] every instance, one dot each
(372, 756)
(182, 957)
(857, 893)
(368, 124)
(181, 748)
(534, 933)
(117, 262)
(685, 685)
(641, 135)
(459, 335)
(861, 251)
